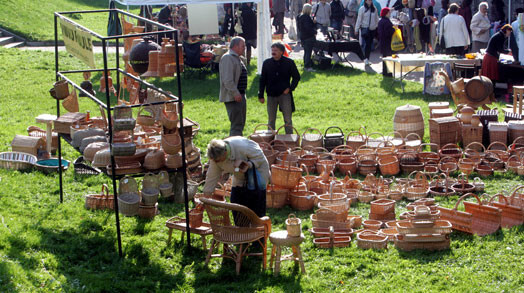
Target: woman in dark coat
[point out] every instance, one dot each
(385, 34)
(465, 12)
(308, 31)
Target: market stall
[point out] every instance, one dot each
(263, 20)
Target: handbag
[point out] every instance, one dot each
(114, 27)
(397, 44)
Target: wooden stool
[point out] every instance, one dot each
(518, 92)
(279, 239)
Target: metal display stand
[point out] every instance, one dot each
(107, 105)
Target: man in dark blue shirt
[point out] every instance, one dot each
(279, 79)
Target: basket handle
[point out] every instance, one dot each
(464, 196)
(518, 139)
(514, 192)
(265, 146)
(319, 150)
(314, 129)
(364, 138)
(296, 131)
(412, 134)
(498, 195)
(451, 146)
(422, 145)
(344, 148)
(469, 146)
(498, 143)
(513, 158)
(377, 133)
(262, 124)
(395, 134)
(105, 190)
(291, 216)
(275, 141)
(334, 127)
(305, 169)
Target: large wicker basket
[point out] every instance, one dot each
(128, 204)
(285, 176)
(372, 241)
(101, 201)
(276, 197)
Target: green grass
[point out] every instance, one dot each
(47, 247)
(34, 19)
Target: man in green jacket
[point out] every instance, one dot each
(233, 85)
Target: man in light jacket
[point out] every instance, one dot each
(322, 15)
(480, 25)
(455, 32)
(233, 85)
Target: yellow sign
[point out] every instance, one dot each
(78, 42)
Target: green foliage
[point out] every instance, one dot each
(47, 247)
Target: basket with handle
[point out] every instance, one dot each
(263, 135)
(310, 139)
(425, 156)
(291, 140)
(308, 160)
(389, 166)
(171, 143)
(329, 216)
(302, 200)
(169, 116)
(412, 140)
(356, 139)
(145, 119)
(409, 162)
(448, 164)
(386, 149)
(396, 138)
(342, 152)
(332, 140)
(462, 185)
(466, 165)
(100, 201)
(276, 197)
(484, 168)
(279, 145)
(513, 164)
(128, 204)
(382, 206)
(270, 153)
(347, 166)
(511, 215)
(500, 149)
(517, 196)
(293, 226)
(375, 139)
(475, 151)
(451, 150)
(476, 218)
(440, 186)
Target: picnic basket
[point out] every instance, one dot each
(100, 201)
(291, 140)
(312, 140)
(265, 136)
(334, 139)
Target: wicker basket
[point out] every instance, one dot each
(382, 206)
(16, 161)
(276, 197)
(511, 215)
(169, 116)
(375, 139)
(451, 150)
(171, 143)
(477, 218)
(154, 160)
(389, 166)
(293, 226)
(316, 223)
(372, 224)
(285, 176)
(101, 201)
(270, 153)
(291, 140)
(330, 242)
(513, 164)
(372, 241)
(484, 169)
(499, 149)
(356, 139)
(265, 136)
(312, 139)
(145, 119)
(466, 165)
(365, 196)
(448, 165)
(302, 200)
(128, 204)
(498, 132)
(427, 156)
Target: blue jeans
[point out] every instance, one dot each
(336, 24)
(308, 49)
(367, 40)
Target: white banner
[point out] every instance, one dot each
(202, 19)
(78, 42)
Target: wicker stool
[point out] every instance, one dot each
(518, 99)
(279, 239)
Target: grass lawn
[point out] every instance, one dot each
(34, 19)
(47, 247)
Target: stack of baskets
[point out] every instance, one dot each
(150, 192)
(128, 198)
(423, 230)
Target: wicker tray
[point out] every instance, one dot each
(372, 241)
(324, 232)
(432, 246)
(16, 161)
(439, 227)
(329, 242)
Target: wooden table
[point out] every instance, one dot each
(48, 120)
(415, 62)
(179, 224)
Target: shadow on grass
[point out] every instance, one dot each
(393, 87)
(6, 284)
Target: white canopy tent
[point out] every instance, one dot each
(263, 21)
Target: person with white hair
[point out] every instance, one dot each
(238, 156)
(480, 26)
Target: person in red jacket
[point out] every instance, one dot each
(385, 33)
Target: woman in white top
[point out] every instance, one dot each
(367, 22)
(479, 26)
(455, 32)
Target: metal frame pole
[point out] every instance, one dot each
(110, 129)
(58, 115)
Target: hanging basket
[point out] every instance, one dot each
(145, 119)
(169, 116)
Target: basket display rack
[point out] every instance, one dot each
(105, 40)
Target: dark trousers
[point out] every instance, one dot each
(253, 199)
(367, 40)
(336, 24)
(236, 111)
(455, 50)
(308, 49)
(284, 103)
(279, 22)
(384, 67)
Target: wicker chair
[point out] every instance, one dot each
(237, 234)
